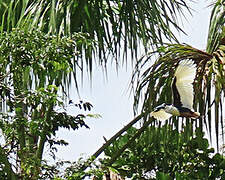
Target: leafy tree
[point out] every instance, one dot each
(33, 68)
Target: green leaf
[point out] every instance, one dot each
(162, 176)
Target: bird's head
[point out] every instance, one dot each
(163, 106)
(161, 112)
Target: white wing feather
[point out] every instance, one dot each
(185, 75)
(160, 115)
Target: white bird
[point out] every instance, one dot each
(183, 94)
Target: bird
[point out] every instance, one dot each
(182, 93)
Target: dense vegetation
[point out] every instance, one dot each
(46, 44)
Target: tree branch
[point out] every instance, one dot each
(105, 145)
(43, 135)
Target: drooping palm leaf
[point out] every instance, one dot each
(113, 24)
(216, 46)
(216, 27)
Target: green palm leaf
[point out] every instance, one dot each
(113, 24)
(216, 27)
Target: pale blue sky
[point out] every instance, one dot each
(111, 99)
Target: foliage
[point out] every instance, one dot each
(113, 24)
(44, 43)
(75, 170)
(26, 136)
(34, 69)
(216, 28)
(164, 153)
(96, 170)
(40, 58)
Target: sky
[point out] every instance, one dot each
(111, 96)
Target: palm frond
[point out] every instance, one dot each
(113, 24)
(154, 83)
(216, 27)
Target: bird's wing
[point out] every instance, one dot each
(160, 115)
(182, 87)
